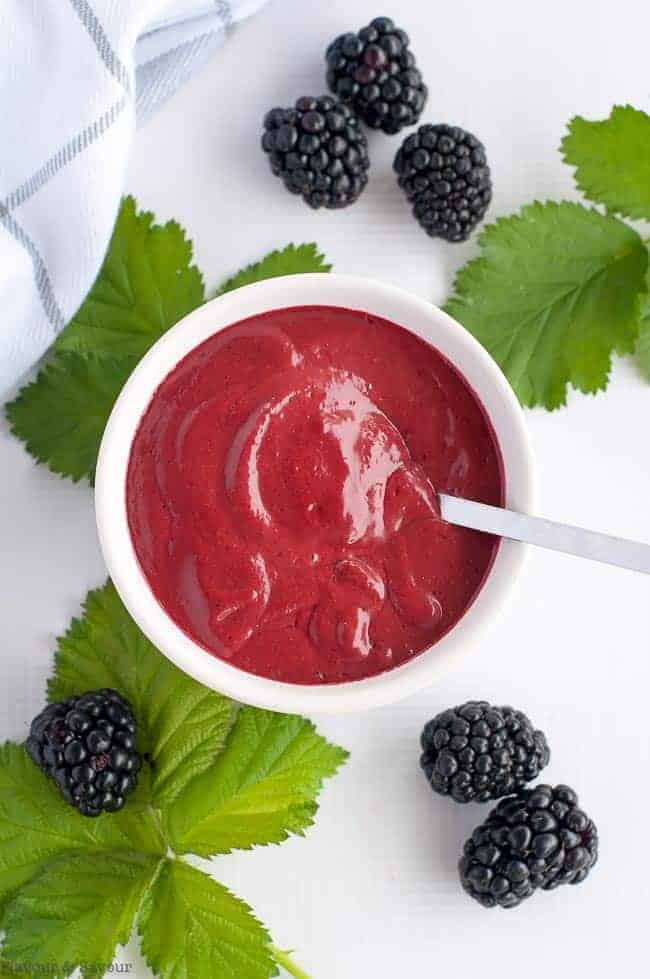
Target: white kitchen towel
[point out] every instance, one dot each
(74, 76)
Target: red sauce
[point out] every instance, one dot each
(281, 494)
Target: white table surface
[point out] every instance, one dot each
(372, 890)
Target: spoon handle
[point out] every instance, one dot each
(546, 533)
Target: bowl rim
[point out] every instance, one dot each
(327, 289)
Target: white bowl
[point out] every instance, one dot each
(376, 298)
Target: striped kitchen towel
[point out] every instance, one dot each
(75, 76)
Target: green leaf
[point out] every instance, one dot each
(145, 285)
(36, 825)
(61, 415)
(13, 969)
(612, 160)
(290, 261)
(193, 928)
(181, 724)
(643, 343)
(643, 346)
(555, 291)
(76, 911)
(262, 787)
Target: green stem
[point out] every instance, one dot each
(284, 959)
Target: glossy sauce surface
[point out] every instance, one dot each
(281, 494)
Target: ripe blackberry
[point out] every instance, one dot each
(319, 151)
(477, 752)
(536, 839)
(444, 171)
(375, 72)
(87, 745)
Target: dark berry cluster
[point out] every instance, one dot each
(477, 752)
(536, 839)
(319, 151)
(375, 71)
(443, 171)
(87, 745)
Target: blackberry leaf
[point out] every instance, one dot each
(193, 928)
(61, 415)
(146, 284)
(643, 347)
(261, 789)
(36, 825)
(643, 343)
(12, 969)
(181, 724)
(76, 911)
(612, 160)
(292, 260)
(555, 291)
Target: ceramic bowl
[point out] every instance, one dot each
(376, 298)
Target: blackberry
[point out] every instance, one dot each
(534, 840)
(319, 151)
(443, 170)
(375, 72)
(87, 745)
(477, 752)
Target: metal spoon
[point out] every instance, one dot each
(546, 533)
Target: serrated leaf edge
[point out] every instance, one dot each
(467, 271)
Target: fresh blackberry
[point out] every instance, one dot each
(87, 745)
(444, 171)
(536, 839)
(375, 72)
(477, 752)
(319, 151)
